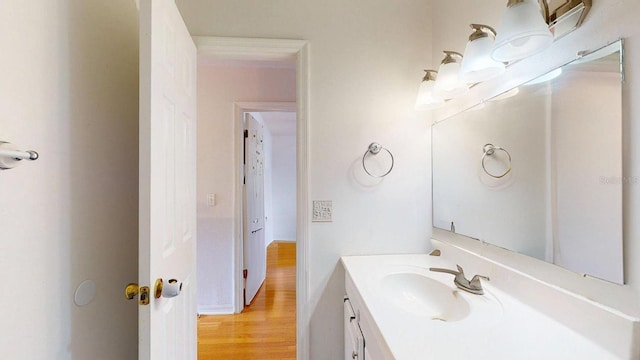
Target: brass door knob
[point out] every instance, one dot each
(158, 288)
(132, 289)
(171, 288)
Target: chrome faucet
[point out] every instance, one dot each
(473, 286)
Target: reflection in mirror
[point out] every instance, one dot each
(538, 170)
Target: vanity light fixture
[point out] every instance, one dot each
(523, 31)
(448, 84)
(477, 64)
(426, 98)
(527, 27)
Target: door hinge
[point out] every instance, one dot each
(246, 133)
(245, 272)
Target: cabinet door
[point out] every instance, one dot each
(367, 355)
(353, 339)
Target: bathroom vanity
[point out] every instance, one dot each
(528, 195)
(407, 312)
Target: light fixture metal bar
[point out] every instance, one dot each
(450, 57)
(481, 31)
(430, 75)
(565, 8)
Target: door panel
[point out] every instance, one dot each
(255, 176)
(254, 249)
(167, 326)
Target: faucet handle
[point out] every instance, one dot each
(475, 281)
(473, 286)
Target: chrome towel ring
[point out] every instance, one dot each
(489, 150)
(374, 149)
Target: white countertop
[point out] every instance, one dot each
(497, 327)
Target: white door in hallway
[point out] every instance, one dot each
(167, 209)
(255, 256)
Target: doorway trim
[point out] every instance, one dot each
(252, 49)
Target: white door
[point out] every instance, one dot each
(255, 263)
(167, 209)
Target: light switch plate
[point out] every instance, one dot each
(322, 211)
(211, 200)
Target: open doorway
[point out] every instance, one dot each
(220, 212)
(269, 197)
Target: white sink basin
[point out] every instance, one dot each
(423, 296)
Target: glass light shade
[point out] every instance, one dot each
(448, 84)
(477, 64)
(426, 98)
(522, 32)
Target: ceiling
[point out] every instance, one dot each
(275, 64)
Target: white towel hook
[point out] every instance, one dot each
(11, 157)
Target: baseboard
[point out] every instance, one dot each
(226, 309)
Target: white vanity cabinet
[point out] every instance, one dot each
(360, 331)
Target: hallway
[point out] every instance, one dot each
(267, 328)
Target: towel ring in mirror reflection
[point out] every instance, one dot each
(374, 149)
(490, 150)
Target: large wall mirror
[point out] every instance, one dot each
(538, 169)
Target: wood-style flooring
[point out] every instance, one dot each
(267, 328)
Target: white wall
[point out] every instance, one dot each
(218, 88)
(279, 175)
(283, 218)
(607, 21)
(69, 90)
(279, 150)
(366, 61)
